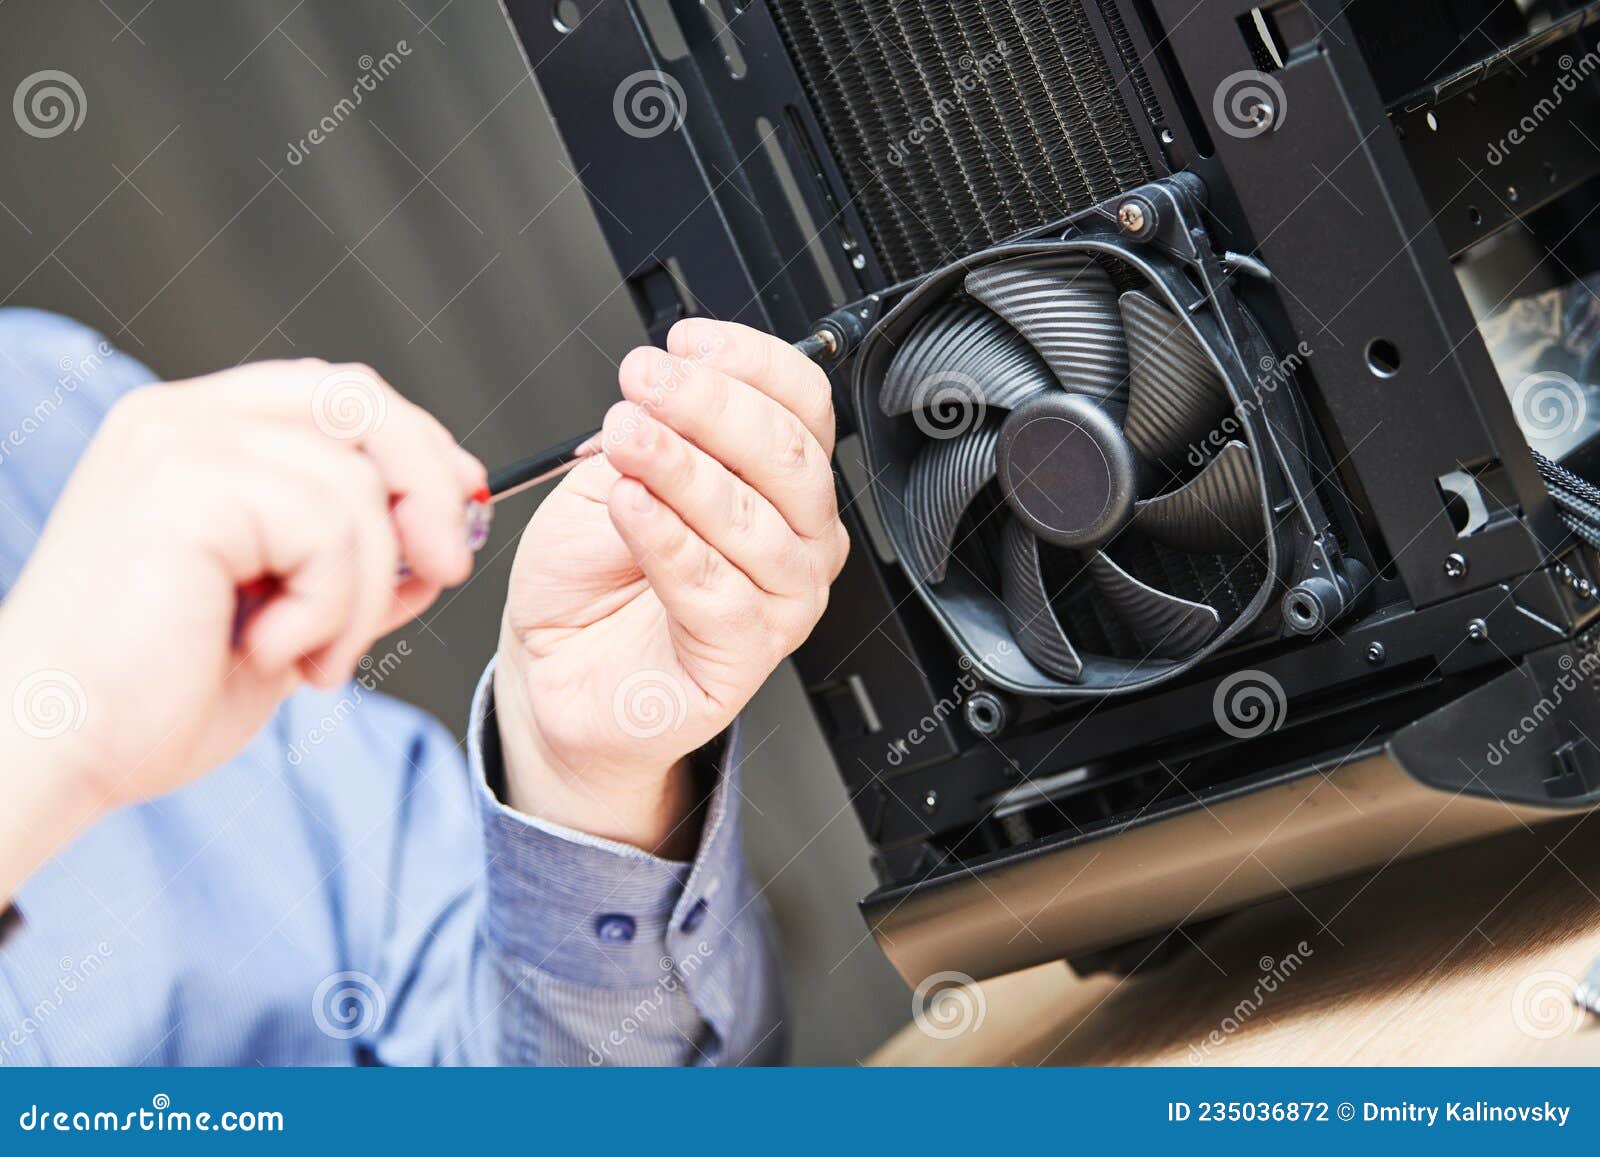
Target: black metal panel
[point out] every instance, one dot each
(1330, 676)
(1489, 151)
(1332, 206)
(702, 194)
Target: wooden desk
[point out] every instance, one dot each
(1468, 956)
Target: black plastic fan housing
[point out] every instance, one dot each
(1070, 382)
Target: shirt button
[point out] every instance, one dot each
(615, 928)
(695, 916)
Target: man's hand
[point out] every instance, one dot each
(120, 677)
(659, 585)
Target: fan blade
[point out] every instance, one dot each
(1028, 610)
(1168, 626)
(1175, 396)
(1066, 307)
(961, 347)
(1218, 511)
(944, 478)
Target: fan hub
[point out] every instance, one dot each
(1066, 470)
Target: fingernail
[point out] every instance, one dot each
(643, 500)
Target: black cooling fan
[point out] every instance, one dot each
(1059, 422)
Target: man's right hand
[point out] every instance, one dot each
(120, 674)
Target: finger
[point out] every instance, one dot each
(727, 512)
(411, 600)
(742, 428)
(708, 599)
(325, 530)
(351, 405)
(421, 467)
(375, 560)
(471, 474)
(772, 366)
(313, 561)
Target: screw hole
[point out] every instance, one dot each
(1302, 611)
(1474, 215)
(566, 16)
(1383, 357)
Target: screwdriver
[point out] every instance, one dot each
(549, 464)
(836, 334)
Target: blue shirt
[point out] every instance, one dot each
(349, 889)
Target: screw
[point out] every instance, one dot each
(1477, 630)
(1376, 653)
(859, 261)
(1131, 217)
(1264, 115)
(986, 713)
(930, 802)
(1455, 566)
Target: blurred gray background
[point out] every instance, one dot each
(438, 234)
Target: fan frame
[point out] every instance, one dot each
(972, 616)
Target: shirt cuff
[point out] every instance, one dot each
(602, 913)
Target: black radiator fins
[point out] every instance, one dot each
(1167, 626)
(962, 356)
(944, 479)
(1032, 619)
(1028, 118)
(1218, 511)
(1175, 398)
(1016, 441)
(1066, 308)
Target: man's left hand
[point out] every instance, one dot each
(662, 582)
